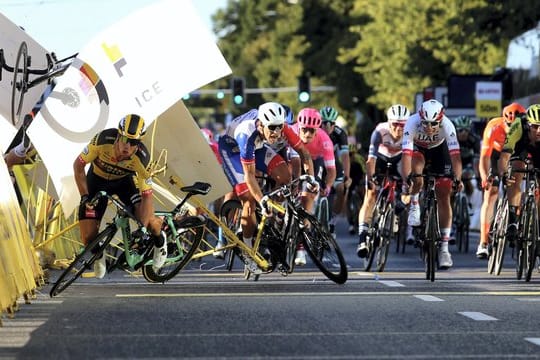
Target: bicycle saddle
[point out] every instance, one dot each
(200, 188)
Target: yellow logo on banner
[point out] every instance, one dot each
(488, 108)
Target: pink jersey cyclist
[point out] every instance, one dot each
(321, 147)
(318, 144)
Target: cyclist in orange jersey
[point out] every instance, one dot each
(493, 140)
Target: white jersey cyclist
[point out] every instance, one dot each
(415, 133)
(383, 143)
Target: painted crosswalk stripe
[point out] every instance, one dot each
(428, 298)
(477, 316)
(391, 283)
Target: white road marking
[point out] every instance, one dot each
(428, 298)
(477, 316)
(535, 341)
(391, 283)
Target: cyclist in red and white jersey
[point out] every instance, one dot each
(385, 147)
(430, 141)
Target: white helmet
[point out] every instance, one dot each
(431, 111)
(271, 113)
(398, 113)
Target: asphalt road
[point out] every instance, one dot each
(208, 313)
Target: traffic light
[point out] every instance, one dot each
(238, 95)
(304, 91)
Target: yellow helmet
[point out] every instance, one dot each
(131, 126)
(533, 114)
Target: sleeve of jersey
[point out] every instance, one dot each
(90, 151)
(292, 138)
(407, 144)
(328, 152)
(514, 134)
(343, 143)
(375, 142)
(451, 138)
(246, 145)
(144, 178)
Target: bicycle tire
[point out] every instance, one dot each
(18, 86)
(432, 236)
(322, 248)
(494, 232)
(180, 249)
(501, 238)
(323, 212)
(530, 241)
(387, 228)
(291, 243)
(374, 236)
(231, 214)
(84, 260)
(521, 241)
(466, 222)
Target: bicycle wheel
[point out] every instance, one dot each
(387, 227)
(530, 241)
(432, 238)
(180, 249)
(231, 215)
(493, 246)
(465, 223)
(521, 241)
(291, 243)
(84, 260)
(20, 79)
(322, 248)
(323, 212)
(501, 238)
(374, 235)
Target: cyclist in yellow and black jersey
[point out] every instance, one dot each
(522, 141)
(108, 165)
(118, 165)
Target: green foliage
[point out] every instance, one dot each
(374, 52)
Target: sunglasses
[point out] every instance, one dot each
(327, 123)
(275, 127)
(126, 140)
(462, 130)
(309, 130)
(534, 127)
(430, 123)
(398, 125)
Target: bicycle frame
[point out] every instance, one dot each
(21, 71)
(233, 241)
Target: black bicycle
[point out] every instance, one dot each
(497, 234)
(21, 70)
(135, 250)
(527, 239)
(461, 220)
(428, 234)
(384, 223)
